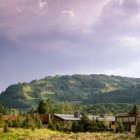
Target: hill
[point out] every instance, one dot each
(87, 89)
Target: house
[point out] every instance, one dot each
(65, 119)
(129, 122)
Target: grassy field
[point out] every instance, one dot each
(45, 134)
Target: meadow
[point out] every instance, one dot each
(46, 134)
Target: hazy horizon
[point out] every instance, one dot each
(40, 38)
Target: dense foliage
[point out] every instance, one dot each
(85, 89)
(110, 108)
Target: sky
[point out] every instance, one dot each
(40, 38)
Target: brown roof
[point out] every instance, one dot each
(9, 117)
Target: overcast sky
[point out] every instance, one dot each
(39, 38)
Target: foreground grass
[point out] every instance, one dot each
(46, 134)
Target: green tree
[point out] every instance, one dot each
(137, 134)
(134, 111)
(16, 124)
(28, 122)
(42, 109)
(20, 121)
(38, 121)
(106, 123)
(49, 106)
(51, 125)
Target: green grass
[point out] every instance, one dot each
(46, 134)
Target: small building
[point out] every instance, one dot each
(65, 119)
(129, 122)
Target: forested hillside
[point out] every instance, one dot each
(85, 89)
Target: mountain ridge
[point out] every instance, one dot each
(88, 89)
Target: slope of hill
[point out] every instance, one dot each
(84, 88)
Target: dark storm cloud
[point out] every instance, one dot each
(50, 37)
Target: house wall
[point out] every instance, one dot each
(44, 117)
(129, 122)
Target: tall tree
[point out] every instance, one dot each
(106, 123)
(134, 111)
(42, 107)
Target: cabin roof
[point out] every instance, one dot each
(91, 117)
(69, 117)
(9, 117)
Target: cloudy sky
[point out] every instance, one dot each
(56, 37)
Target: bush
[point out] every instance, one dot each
(6, 128)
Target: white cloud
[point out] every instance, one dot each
(42, 4)
(70, 13)
(42, 7)
(131, 70)
(131, 42)
(121, 2)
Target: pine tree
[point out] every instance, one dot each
(42, 107)
(134, 111)
(28, 122)
(137, 129)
